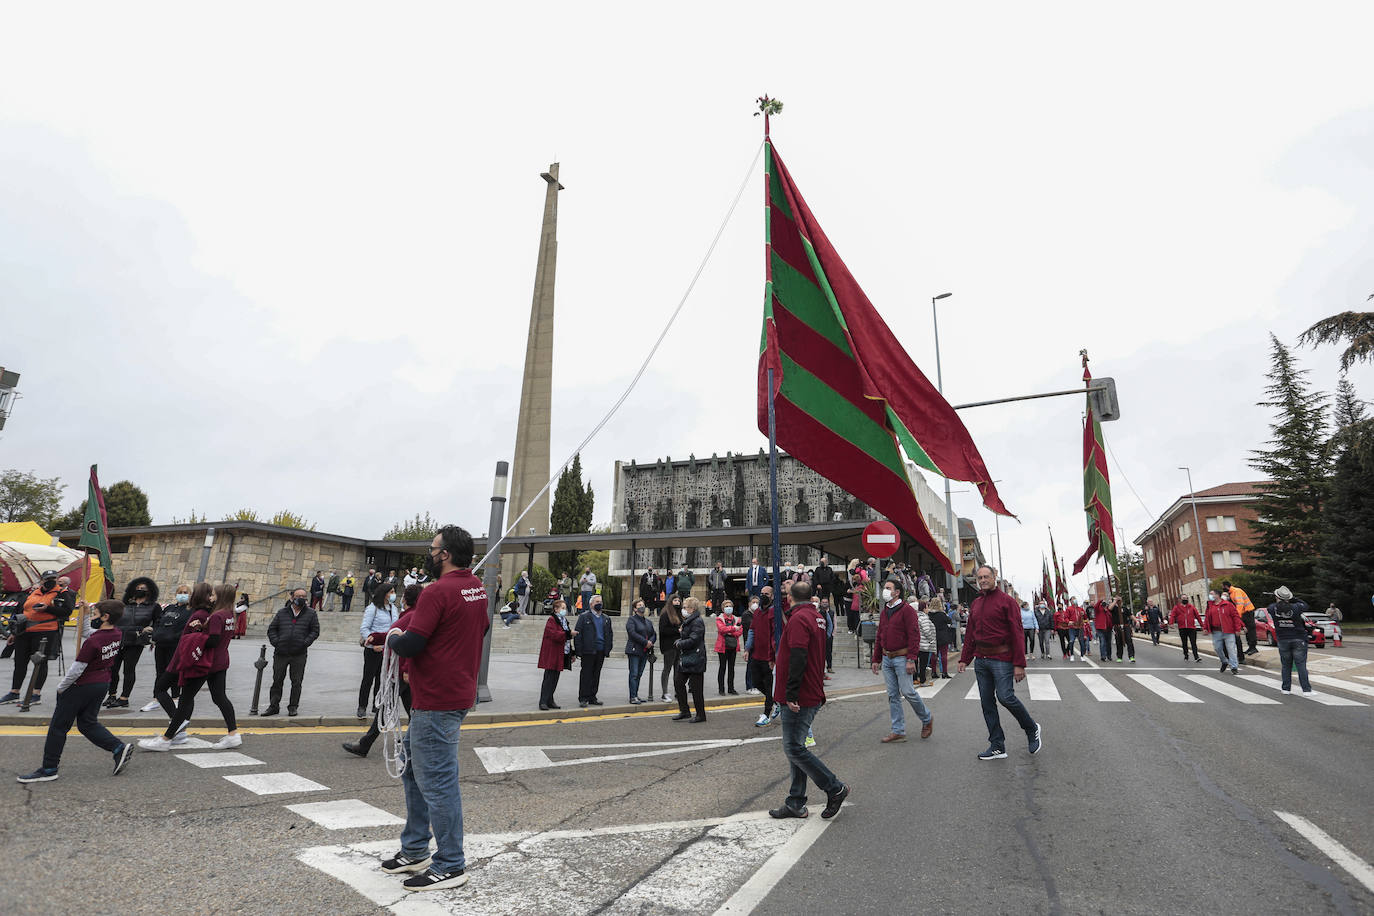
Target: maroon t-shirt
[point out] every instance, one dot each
(219, 623)
(452, 615)
(98, 652)
(803, 629)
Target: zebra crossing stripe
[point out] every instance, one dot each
(972, 692)
(1164, 689)
(1227, 689)
(1343, 685)
(1325, 699)
(1101, 690)
(1042, 687)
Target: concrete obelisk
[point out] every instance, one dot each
(531, 465)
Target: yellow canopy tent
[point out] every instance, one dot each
(40, 548)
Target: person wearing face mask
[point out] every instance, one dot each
(895, 656)
(1044, 623)
(376, 642)
(994, 645)
(728, 632)
(78, 696)
(594, 638)
(746, 622)
(1223, 622)
(168, 624)
(761, 655)
(291, 633)
(691, 647)
(211, 610)
(669, 630)
(46, 608)
(555, 653)
(136, 629)
(639, 646)
(379, 617)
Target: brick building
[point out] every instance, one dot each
(1172, 564)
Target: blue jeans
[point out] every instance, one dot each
(1294, 652)
(1075, 637)
(1225, 646)
(637, 663)
(433, 800)
(795, 727)
(996, 684)
(899, 687)
(1104, 644)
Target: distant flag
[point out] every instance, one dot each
(1097, 490)
(845, 392)
(93, 530)
(1045, 588)
(1061, 587)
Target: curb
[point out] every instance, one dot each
(1252, 661)
(477, 718)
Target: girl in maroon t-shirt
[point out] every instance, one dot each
(217, 624)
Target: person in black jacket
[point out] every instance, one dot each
(669, 629)
(168, 624)
(291, 632)
(691, 665)
(594, 638)
(140, 606)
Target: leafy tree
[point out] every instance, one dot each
(1354, 328)
(571, 513)
(126, 506)
(600, 562)
(1297, 463)
(26, 497)
(1132, 561)
(243, 515)
(1248, 582)
(288, 519)
(416, 529)
(1345, 572)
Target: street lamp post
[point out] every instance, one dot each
(1202, 557)
(956, 555)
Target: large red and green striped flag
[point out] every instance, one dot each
(1097, 490)
(1061, 588)
(1045, 588)
(845, 391)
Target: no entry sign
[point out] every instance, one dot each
(880, 539)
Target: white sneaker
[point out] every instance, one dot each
(763, 720)
(180, 738)
(157, 743)
(150, 707)
(228, 741)
(181, 729)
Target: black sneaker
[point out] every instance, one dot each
(356, 748)
(11, 697)
(786, 810)
(121, 758)
(1035, 743)
(833, 801)
(431, 880)
(993, 753)
(404, 863)
(595, 702)
(42, 774)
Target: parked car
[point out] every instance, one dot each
(1330, 629)
(1264, 629)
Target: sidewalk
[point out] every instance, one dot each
(329, 696)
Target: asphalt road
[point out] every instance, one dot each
(1135, 805)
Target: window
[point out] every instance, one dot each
(1185, 531)
(1154, 581)
(1149, 554)
(1226, 559)
(1221, 523)
(1190, 564)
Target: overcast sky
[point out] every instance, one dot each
(281, 255)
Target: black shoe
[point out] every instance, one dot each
(107, 702)
(698, 719)
(361, 713)
(121, 758)
(543, 707)
(682, 717)
(270, 711)
(403, 863)
(113, 704)
(1252, 651)
(42, 774)
(431, 880)
(833, 801)
(554, 706)
(733, 693)
(786, 810)
(1223, 667)
(357, 748)
(583, 704)
(595, 702)
(291, 711)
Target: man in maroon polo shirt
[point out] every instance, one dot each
(443, 641)
(997, 648)
(799, 689)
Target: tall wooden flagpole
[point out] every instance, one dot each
(767, 106)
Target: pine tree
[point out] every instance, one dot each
(1297, 464)
(1345, 573)
(571, 514)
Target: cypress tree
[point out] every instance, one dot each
(1345, 572)
(571, 514)
(1296, 464)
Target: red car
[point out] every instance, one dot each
(1264, 630)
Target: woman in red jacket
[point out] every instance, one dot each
(1223, 622)
(555, 652)
(728, 633)
(1184, 616)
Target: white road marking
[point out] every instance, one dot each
(522, 873)
(972, 692)
(1164, 689)
(222, 759)
(1343, 685)
(510, 759)
(1042, 687)
(344, 814)
(1359, 869)
(1214, 682)
(275, 783)
(1330, 664)
(1325, 699)
(1091, 663)
(1362, 677)
(755, 890)
(1104, 692)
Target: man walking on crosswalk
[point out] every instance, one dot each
(995, 645)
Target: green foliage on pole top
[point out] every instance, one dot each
(1297, 464)
(126, 506)
(768, 106)
(26, 497)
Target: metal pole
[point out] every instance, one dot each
(260, 664)
(1002, 569)
(1202, 557)
(955, 555)
(494, 528)
(205, 554)
(773, 495)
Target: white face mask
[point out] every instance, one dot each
(753, 605)
(887, 594)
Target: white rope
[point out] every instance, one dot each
(389, 708)
(492, 548)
